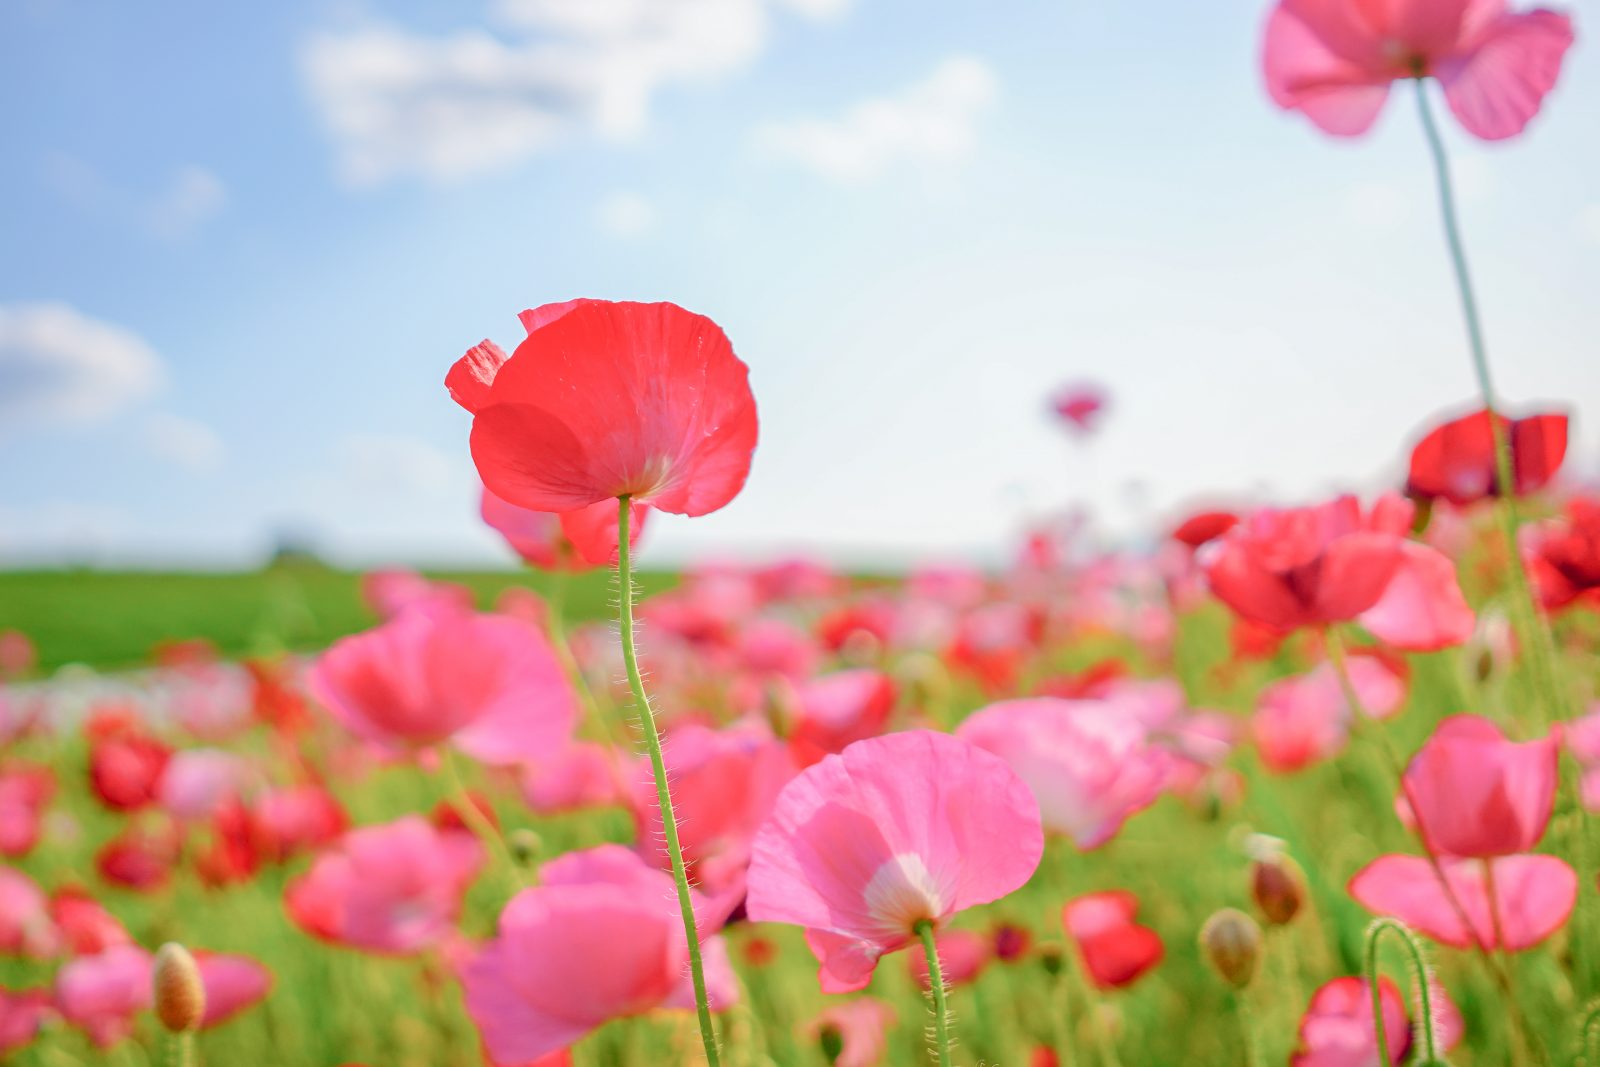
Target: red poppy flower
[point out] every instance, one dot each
(1456, 461)
(607, 399)
(1116, 950)
(1565, 555)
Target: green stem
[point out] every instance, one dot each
(481, 827)
(1424, 988)
(1591, 1037)
(669, 821)
(941, 1011)
(180, 1049)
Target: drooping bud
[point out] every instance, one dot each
(1231, 943)
(1276, 890)
(832, 1043)
(180, 995)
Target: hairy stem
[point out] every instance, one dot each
(1419, 976)
(941, 1011)
(669, 821)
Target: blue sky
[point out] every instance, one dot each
(247, 241)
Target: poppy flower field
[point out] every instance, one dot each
(1309, 782)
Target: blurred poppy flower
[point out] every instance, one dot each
(599, 938)
(1456, 461)
(1338, 1029)
(1079, 406)
(1564, 554)
(1474, 793)
(963, 954)
(26, 928)
(1334, 60)
(126, 766)
(391, 889)
(85, 926)
(571, 541)
(233, 985)
(836, 710)
(854, 1033)
(489, 684)
(25, 791)
(103, 994)
(1288, 568)
(607, 399)
(140, 858)
(893, 832)
(1422, 608)
(1090, 765)
(1204, 527)
(23, 1013)
(1116, 950)
(1533, 896)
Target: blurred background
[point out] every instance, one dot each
(246, 242)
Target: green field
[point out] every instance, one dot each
(111, 619)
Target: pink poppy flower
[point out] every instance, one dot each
(963, 954)
(599, 938)
(17, 654)
(389, 592)
(233, 985)
(1079, 406)
(1334, 60)
(724, 783)
(489, 684)
(839, 709)
(572, 541)
(1116, 950)
(198, 781)
(1090, 765)
(607, 399)
(125, 767)
(1474, 793)
(24, 793)
(1309, 566)
(26, 928)
(1564, 555)
(141, 858)
(104, 993)
(893, 832)
(859, 1028)
(296, 819)
(23, 1013)
(1456, 460)
(1534, 895)
(84, 925)
(1337, 1029)
(581, 775)
(1421, 609)
(1306, 719)
(393, 889)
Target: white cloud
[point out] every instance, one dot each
(56, 363)
(624, 214)
(191, 197)
(470, 102)
(932, 121)
(392, 465)
(1589, 222)
(185, 442)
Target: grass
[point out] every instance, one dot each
(112, 619)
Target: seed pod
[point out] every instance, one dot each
(525, 845)
(1276, 890)
(1231, 942)
(180, 995)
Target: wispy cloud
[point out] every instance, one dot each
(186, 201)
(934, 120)
(57, 364)
(478, 100)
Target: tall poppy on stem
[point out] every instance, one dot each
(636, 403)
(1335, 60)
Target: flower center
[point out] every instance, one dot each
(902, 893)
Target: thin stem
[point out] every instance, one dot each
(1419, 976)
(180, 1049)
(941, 1011)
(1591, 1037)
(481, 827)
(669, 821)
(1532, 631)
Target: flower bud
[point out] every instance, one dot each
(180, 995)
(525, 846)
(1276, 890)
(1231, 943)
